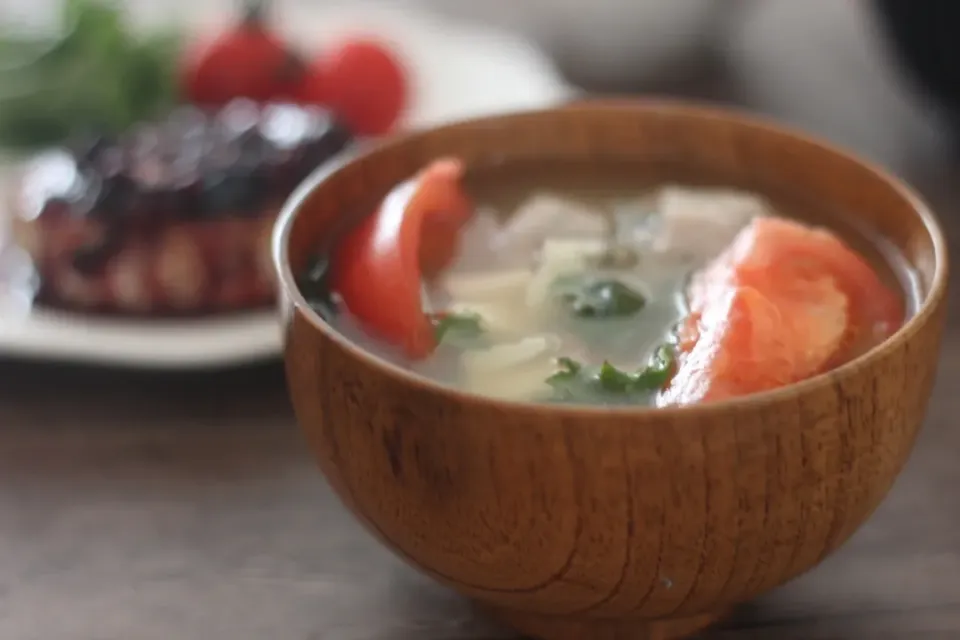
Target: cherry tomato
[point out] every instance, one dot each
(365, 83)
(248, 61)
(379, 268)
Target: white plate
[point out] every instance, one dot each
(458, 71)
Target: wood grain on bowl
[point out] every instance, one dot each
(592, 523)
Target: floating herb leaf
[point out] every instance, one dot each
(588, 297)
(658, 371)
(567, 371)
(457, 327)
(314, 284)
(568, 368)
(614, 380)
(575, 382)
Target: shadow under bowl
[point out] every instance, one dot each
(594, 523)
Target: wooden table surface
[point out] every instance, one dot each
(162, 507)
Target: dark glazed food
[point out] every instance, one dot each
(174, 217)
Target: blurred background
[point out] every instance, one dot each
(797, 60)
(149, 464)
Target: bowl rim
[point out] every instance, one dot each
(291, 294)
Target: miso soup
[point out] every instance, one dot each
(574, 284)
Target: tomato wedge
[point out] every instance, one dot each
(777, 250)
(782, 303)
(380, 266)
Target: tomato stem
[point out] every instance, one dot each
(254, 12)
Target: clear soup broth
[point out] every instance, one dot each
(581, 284)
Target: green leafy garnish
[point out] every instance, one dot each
(575, 382)
(314, 284)
(568, 369)
(459, 328)
(17, 50)
(97, 78)
(613, 379)
(658, 371)
(587, 297)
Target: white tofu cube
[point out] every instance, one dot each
(702, 222)
(547, 216)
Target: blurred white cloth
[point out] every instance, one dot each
(823, 65)
(793, 59)
(609, 41)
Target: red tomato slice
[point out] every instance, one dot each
(782, 303)
(379, 268)
(791, 250)
(744, 340)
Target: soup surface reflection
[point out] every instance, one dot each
(577, 286)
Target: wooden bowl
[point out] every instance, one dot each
(598, 523)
